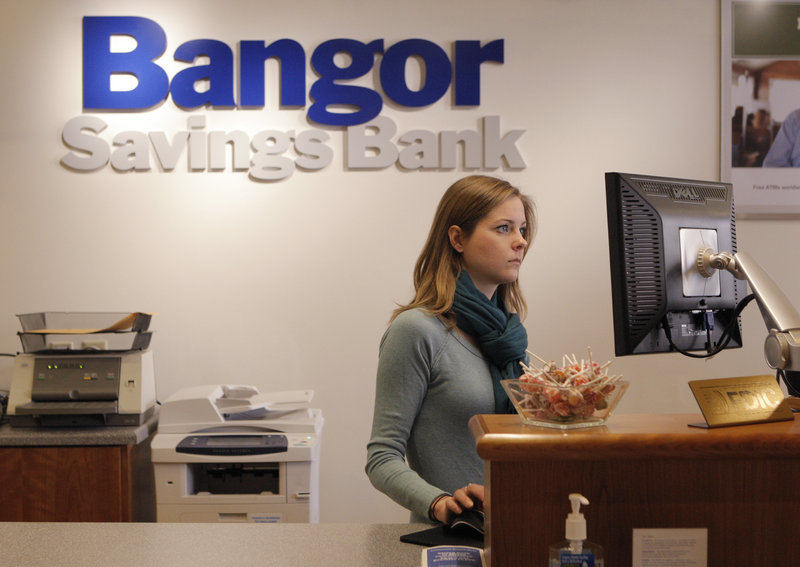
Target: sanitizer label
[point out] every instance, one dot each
(567, 559)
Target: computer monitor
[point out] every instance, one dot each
(661, 303)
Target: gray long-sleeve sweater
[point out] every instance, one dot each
(430, 382)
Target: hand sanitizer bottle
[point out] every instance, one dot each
(576, 551)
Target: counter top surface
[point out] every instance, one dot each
(507, 437)
(76, 436)
(213, 545)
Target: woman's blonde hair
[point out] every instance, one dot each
(464, 203)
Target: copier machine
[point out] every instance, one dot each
(227, 453)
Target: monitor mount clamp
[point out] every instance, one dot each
(782, 345)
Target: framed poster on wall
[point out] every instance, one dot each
(760, 106)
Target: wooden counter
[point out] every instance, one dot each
(77, 474)
(742, 483)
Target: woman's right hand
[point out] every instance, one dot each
(447, 508)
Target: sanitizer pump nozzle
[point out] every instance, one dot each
(576, 550)
(576, 523)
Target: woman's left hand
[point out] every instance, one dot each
(465, 498)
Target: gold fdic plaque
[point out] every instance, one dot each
(737, 401)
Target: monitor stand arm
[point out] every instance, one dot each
(782, 345)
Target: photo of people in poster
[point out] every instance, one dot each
(761, 105)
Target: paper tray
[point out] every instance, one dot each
(95, 342)
(74, 322)
(60, 331)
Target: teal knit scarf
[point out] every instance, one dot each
(500, 334)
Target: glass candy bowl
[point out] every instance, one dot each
(540, 402)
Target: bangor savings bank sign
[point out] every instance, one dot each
(270, 155)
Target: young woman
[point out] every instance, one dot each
(443, 355)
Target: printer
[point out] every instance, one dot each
(82, 390)
(228, 453)
(82, 369)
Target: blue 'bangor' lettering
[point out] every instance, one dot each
(335, 102)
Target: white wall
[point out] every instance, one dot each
(290, 284)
